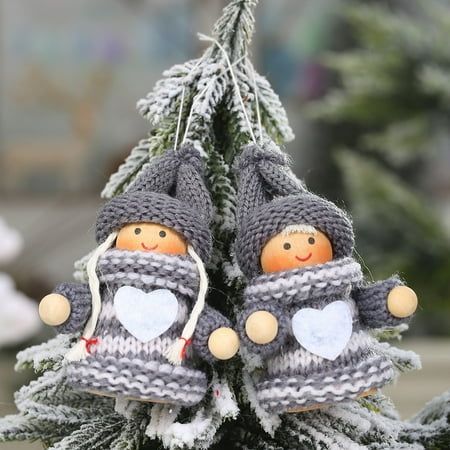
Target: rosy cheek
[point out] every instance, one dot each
(276, 260)
(268, 263)
(167, 246)
(323, 254)
(126, 242)
(172, 246)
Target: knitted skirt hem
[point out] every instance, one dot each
(152, 381)
(282, 394)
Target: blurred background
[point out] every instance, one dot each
(367, 88)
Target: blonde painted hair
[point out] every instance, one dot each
(301, 228)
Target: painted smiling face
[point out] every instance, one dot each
(287, 251)
(151, 237)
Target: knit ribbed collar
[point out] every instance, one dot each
(149, 270)
(332, 278)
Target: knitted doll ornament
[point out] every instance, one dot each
(307, 309)
(144, 304)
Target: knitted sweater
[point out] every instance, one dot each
(128, 358)
(322, 352)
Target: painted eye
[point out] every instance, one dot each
(137, 231)
(311, 241)
(162, 233)
(286, 246)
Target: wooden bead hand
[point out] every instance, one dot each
(261, 327)
(223, 343)
(54, 309)
(402, 302)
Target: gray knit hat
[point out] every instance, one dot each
(170, 191)
(270, 198)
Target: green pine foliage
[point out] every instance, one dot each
(229, 416)
(386, 119)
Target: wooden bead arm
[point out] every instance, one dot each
(223, 343)
(402, 302)
(261, 327)
(54, 309)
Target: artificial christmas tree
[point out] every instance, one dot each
(209, 104)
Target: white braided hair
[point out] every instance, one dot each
(79, 350)
(175, 352)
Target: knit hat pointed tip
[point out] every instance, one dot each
(170, 190)
(253, 155)
(153, 207)
(188, 154)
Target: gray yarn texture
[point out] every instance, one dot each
(121, 364)
(170, 191)
(270, 199)
(293, 376)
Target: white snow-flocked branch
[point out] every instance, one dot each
(271, 106)
(48, 355)
(51, 389)
(222, 190)
(161, 416)
(99, 432)
(223, 400)
(118, 181)
(235, 27)
(126, 407)
(431, 424)
(165, 97)
(21, 428)
(269, 422)
(346, 425)
(404, 360)
(200, 431)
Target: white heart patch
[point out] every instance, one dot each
(324, 332)
(145, 315)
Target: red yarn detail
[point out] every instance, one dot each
(217, 393)
(187, 343)
(89, 343)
